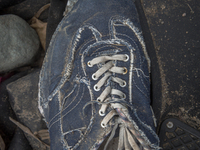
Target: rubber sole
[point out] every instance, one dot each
(176, 135)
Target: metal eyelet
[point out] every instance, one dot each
(96, 88)
(89, 64)
(125, 70)
(98, 99)
(127, 58)
(103, 125)
(124, 96)
(123, 84)
(101, 113)
(94, 77)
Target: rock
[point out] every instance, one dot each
(24, 103)
(19, 141)
(2, 144)
(55, 16)
(19, 43)
(6, 3)
(7, 129)
(27, 9)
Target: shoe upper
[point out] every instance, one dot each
(95, 79)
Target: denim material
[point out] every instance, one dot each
(93, 28)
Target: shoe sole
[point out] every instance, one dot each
(176, 135)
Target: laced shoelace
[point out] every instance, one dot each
(129, 138)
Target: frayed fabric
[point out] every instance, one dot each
(95, 80)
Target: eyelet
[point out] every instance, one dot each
(101, 113)
(103, 125)
(94, 77)
(127, 58)
(89, 64)
(96, 88)
(125, 70)
(124, 96)
(123, 84)
(98, 99)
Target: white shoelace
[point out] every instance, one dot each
(129, 138)
(108, 68)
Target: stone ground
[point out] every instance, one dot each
(171, 30)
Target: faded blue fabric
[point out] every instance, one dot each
(94, 28)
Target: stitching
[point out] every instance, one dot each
(63, 103)
(105, 46)
(63, 110)
(68, 69)
(64, 140)
(141, 79)
(140, 38)
(139, 88)
(135, 30)
(130, 76)
(137, 48)
(74, 106)
(78, 129)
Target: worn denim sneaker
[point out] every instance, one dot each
(94, 83)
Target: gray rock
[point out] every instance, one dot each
(19, 43)
(24, 103)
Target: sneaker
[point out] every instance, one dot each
(94, 83)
